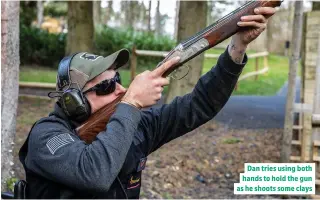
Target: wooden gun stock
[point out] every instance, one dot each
(97, 122)
(214, 34)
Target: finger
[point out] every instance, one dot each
(250, 24)
(268, 11)
(159, 89)
(162, 82)
(165, 66)
(257, 18)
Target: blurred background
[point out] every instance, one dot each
(103, 27)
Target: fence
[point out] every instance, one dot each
(264, 55)
(41, 89)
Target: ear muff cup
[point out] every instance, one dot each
(75, 105)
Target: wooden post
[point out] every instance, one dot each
(257, 67)
(316, 110)
(265, 61)
(316, 102)
(294, 62)
(133, 63)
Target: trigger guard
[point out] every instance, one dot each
(174, 76)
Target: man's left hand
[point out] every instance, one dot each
(256, 23)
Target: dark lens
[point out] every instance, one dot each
(106, 87)
(117, 78)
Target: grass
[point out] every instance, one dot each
(37, 74)
(10, 183)
(231, 141)
(267, 84)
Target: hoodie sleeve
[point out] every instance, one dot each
(57, 154)
(183, 114)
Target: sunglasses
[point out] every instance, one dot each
(105, 87)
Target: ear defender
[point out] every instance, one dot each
(74, 104)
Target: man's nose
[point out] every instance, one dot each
(120, 89)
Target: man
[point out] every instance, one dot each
(59, 164)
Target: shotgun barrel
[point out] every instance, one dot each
(214, 34)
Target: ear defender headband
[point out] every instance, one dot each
(73, 102)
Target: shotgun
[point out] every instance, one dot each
(188, 49)
(213, 34)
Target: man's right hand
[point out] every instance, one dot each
(146, 88)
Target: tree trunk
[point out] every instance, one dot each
(96, 13)
(315, 5)
(80, 27)
(149, 16)
(131, 12)
(108, 13)
(157, 19)
(209, 12)
(176, 20)
(128, 7)
(269, 34)
(39, 13)
(188, 26)
(294, 61)
(289, 26)
(9, 84)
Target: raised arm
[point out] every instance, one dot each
(211, 92)
(186, 113)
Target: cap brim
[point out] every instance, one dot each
(113, 61)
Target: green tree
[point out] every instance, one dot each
(28, 12)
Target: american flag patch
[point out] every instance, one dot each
(59, 141)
